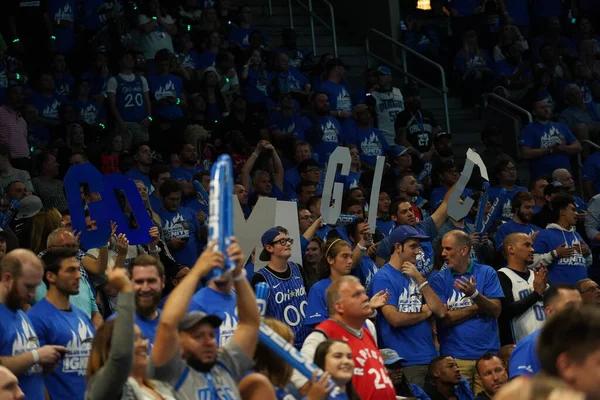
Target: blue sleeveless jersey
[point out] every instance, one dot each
(287, 301)
(130, 99)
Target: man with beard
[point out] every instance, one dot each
(393, 365)
(408, 186)
(188, 155)
(57, 322)
(522, 307)
(261, 183)
(21, 271)
(442, 143)
(590, 291)
(186, 354)
(415, 127)
(242, 195)
(326, 133)
(522, 208)
(142, 156)
(524, 359)
(493, 375)
(148, 279)
(446, 381)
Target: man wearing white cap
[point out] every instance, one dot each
(387, 102)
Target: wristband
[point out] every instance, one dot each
(474, 295)
(36, 357)
(422, 285)
(374, 314)
(421, 156)
(361, 248)
(149, 119)
(241, 276)
(154, 18)
(53, 37)
(16, 40)
(254, 154)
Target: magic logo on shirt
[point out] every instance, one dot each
(64, 14)
(423, 263)
(78, 350)
(458, 300)
(551, 137)
(166, 91)
(89, 114)
(577, 258)
(176, 228)
(330, 132)
(26, 341)
(51, 110)
(410, 300)
(371, 146)
(227, 327)
(291, 128)
(343, 101)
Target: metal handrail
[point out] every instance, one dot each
(405, 49)
(313, 16)
(508, 104)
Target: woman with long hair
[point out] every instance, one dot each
(335, 262)
(119, 357)
(276, 370)
(42, 225)
(255, 79)
(216, 105)
(335, 358)
(210, 21)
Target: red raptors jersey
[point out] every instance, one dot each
(371, 380)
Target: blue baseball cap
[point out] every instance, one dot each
(397, 151)
(384, 70)
(266, 239)
(390, 356)
(404, 232)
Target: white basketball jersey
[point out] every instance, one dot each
(532, 319)
(388, 106)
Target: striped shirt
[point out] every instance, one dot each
(13, 132)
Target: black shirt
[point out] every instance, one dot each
(419, 128)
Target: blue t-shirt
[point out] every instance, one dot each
(385, 227)
(98, 83)
(185, 174)
(506, 208)
(539, 136)
(206, 59)
(296, 126)
(288, 81)
(591, 171)
(316, 309)
(424, 261)
(148, 327)
(162, 87)
(518, 9)
(524, 359)
(482, 60)
(365, 271)
(240, 35)
(64, 85)
(47, 106)
(129, 99)
(224, 306)
(181, 224)
(332, 137)
(73, 330)
(565, 269)
(155, 202)
(17, 336)
(438, 194)
(191, 59)
(505, 69)
(338, 95)
(287, 301)
(90, 112)
(256, 85)
(472, 338)
(370, 141)
(137, 175)
(509, 227)
(63, 10)
(414, 343)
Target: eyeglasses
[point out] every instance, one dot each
(509, 169)
(283, 242)
(591, 289)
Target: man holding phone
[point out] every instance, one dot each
(21, 272)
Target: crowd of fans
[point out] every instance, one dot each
(426, 306)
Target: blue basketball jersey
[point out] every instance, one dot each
(287, 301)
(130, 99)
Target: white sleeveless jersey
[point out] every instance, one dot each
(388, 106)
(532, 319)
